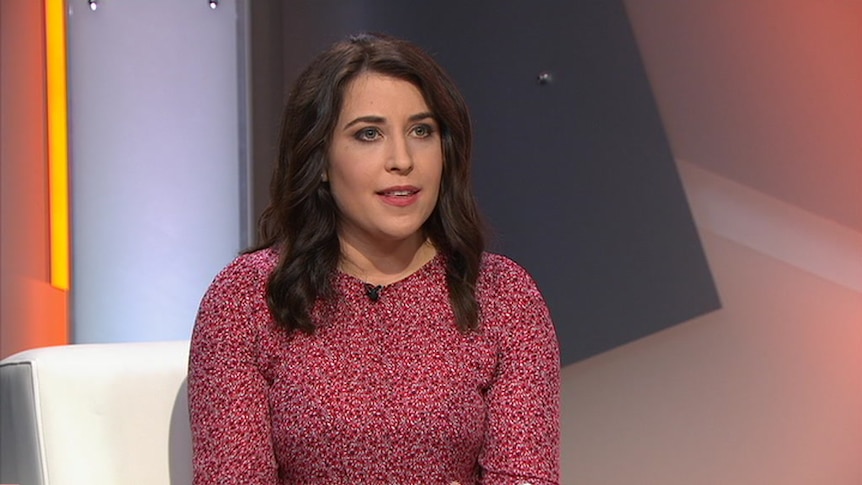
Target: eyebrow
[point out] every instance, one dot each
(379, 119)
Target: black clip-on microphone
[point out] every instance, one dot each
(372, 291)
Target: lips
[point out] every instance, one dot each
(401, 191)
(400, 196)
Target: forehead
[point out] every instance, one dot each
(370, 91)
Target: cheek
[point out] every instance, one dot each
(340, 193)
(347, 186)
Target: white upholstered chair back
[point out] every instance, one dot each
(96, 414)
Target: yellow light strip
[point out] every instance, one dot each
(58, 146)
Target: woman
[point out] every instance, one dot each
(369, 339)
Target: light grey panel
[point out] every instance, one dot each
(156, 185)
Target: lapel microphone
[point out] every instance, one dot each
(372, 291)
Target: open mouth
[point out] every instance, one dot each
(398, 192)
(402, 196)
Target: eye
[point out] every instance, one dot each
(367, 134)
(423, 130)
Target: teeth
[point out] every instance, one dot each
(400, 193)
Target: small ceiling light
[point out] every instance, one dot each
(93, 5)
(213, 4)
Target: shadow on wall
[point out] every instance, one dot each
(180, 443)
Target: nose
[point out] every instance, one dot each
(399, 157)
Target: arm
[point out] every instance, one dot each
(523, 437)
(228, 406)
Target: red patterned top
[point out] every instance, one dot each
(385, 391)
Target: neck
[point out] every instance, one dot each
(384, 265)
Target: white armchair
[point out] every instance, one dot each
(96, 414)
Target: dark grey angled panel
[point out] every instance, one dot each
(576, 176)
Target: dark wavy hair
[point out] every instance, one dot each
(302, 218)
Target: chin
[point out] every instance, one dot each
(402, 234)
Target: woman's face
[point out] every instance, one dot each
(385, 162)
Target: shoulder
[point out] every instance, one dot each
(499, 273)
(246, 275)
(505, 287)
(513, 309)
(234, 306)
(249, 267)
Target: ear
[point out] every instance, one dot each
(324, 177)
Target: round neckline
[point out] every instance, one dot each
(426, 267)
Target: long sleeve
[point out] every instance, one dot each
(230, 420)
(522, 444)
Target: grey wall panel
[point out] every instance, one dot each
(575, 176)
(157, 194)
